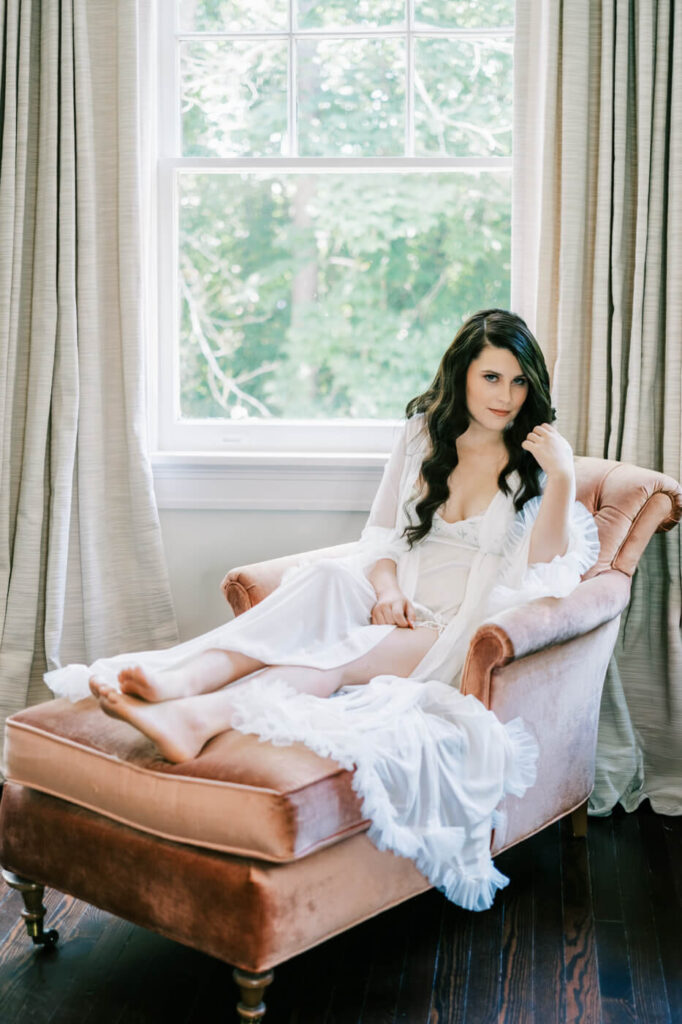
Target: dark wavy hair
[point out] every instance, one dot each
(446, 416)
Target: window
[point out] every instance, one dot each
(334, 198)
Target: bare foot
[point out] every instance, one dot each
(96, 686)
(155, 686)
(172, 727)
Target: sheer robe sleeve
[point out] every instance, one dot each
(382, 536)
(519, 581)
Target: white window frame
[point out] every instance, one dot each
(313, 464)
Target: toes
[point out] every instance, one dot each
(107, 694)
(95, 685)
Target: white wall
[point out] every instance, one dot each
(202, 545)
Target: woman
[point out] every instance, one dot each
(475, 512)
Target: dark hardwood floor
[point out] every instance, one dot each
(586, 931)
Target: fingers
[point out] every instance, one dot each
(541, 432)
(394, 613)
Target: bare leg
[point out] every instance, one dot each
(208, 671)
(180, 728)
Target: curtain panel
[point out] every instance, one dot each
(82, 570)
(597, 274)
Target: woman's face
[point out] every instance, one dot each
(496, 388)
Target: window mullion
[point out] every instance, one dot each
(409, 81)
(292, 79)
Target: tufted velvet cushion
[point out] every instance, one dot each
(238, 796)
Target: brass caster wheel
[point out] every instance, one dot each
(34, 912)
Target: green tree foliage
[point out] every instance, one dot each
(325, 294)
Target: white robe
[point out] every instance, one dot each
(431, 766)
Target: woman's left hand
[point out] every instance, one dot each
(550, 450)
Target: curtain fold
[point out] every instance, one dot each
(82, 570)
(597, 274)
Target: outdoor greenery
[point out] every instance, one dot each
(315, 293)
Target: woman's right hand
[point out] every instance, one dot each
(393, 609)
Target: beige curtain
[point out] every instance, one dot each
(597, 273)
(81, 564)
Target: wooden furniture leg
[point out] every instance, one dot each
(34, 913)
(251, 988)
(579, 821)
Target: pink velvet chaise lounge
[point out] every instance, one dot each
(254, 853)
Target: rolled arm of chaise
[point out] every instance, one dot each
(545, 663)
(247, 585)
(546, 622)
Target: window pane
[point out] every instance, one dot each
(232, 15)
(234, 97)
(351, 97)
(348, 13)
(328, 295)
(463, 97)
(464, 13)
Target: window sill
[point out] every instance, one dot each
(292, 481)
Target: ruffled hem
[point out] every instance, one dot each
(521, 767)
(72, 681)
(455, 857)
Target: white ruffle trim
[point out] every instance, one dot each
(430, 767)
(72, 681)
(519, 582)
(520, 769)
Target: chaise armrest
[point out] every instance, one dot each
(546, 622)
(249, 584)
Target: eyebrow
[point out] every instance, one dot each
(500, 374)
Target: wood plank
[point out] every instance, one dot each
(11, 905)
(672, 829)
(451, 977)
(665, 902)
(33, 980)
(388, 956)
(615, 986)
(216, 996)
(651, 1003)
(304, 987)
(421, 958)
(483, 989)
(147, 981)
(96, 942)
(348, 997)
(606, 901)
(583, 1003)
(615, 983)
(516, 981)
(548, 927)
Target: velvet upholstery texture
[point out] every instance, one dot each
(249, 913)
(238, 795)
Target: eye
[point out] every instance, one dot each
(521, 380)
(490, 376)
